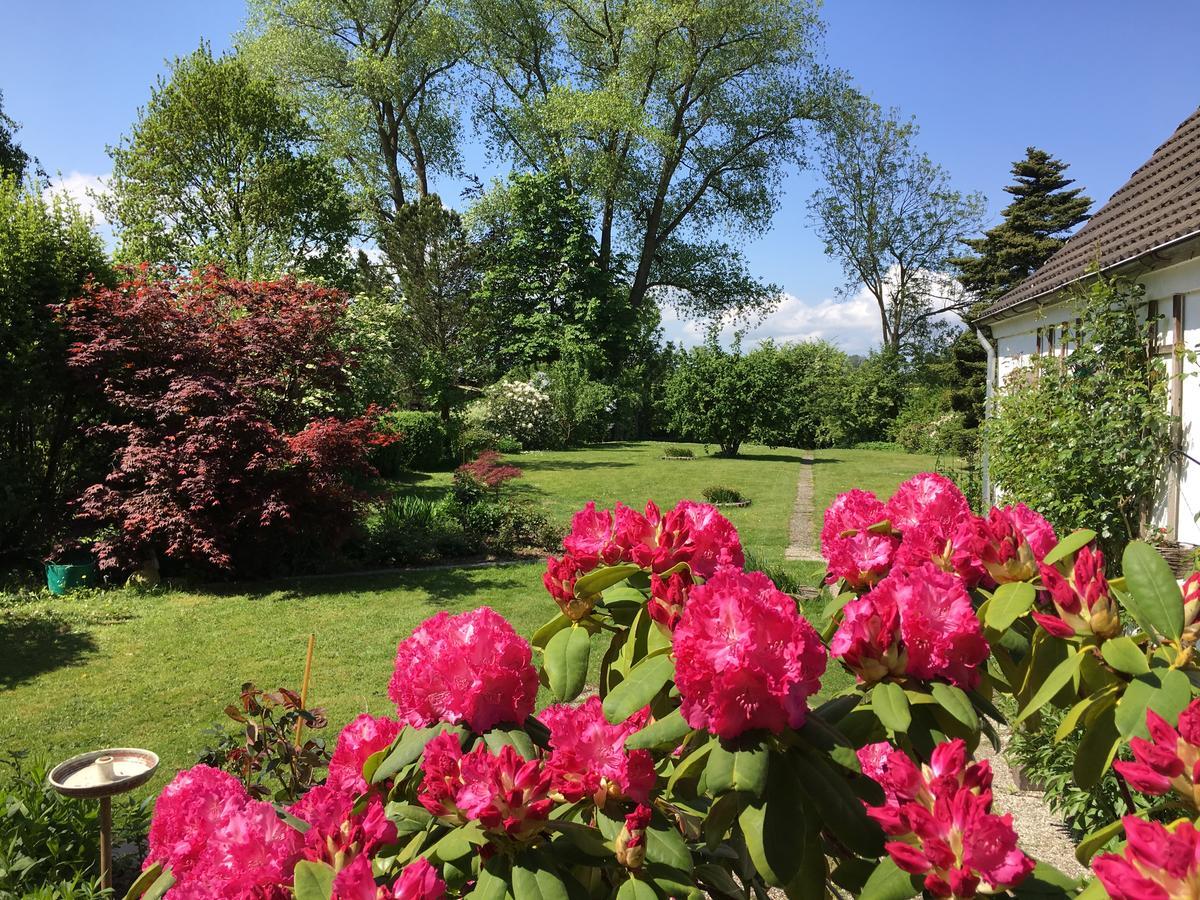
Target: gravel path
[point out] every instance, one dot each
(1043, 834)
(801, 539)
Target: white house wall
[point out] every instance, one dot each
(1017, 340)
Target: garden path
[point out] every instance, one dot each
(801, 540)
(1042, 833)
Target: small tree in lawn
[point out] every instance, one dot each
(719, 397)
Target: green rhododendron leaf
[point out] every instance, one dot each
(645, 680)
(1154, 598)
(1072, 543)
(566, 662)
(891, 706)
(313, 880)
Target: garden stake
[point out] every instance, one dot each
(312, 639)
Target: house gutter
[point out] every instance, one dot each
(989, 348)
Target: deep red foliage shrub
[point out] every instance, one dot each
(488, 470)
(214, 388)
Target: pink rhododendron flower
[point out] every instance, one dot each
(950, 547)
(359, 740)
(1081, 599)
(927, 499)
(692, 533)
(504, 792)
(668, 597)
(336, 833)
(1158, 863)
(856, 540)
(419, 881)
(592, 539)
(471, 668)
(217, 842)
(1011, 542)
(744, 657)
(917, 622)
(941, 824)
(588, 756)
(1170, 760)
(559, 579)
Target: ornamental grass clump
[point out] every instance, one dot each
(699, 761)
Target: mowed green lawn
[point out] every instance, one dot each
(155, 670)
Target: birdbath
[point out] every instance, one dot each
(100, 775)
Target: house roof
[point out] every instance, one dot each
(1158, 206)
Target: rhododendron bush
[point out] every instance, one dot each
(706, 760)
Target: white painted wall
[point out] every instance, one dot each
(1016, 343)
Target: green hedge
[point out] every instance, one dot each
(421, 442)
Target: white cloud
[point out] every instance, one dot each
(82, 188)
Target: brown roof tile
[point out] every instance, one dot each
(1159, 204)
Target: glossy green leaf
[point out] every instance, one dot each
(889, 882)
(839, 807)
(566, 662)
(1073, 715)
(492, 883)
(313, 880)
(1125, 656)
(1096, 750)
(733, 769)
(644, 681)
(537, 882)
(1095, 841)
(499, 738)
(636, 889)
(407, 748)
(1046, 881)
(891, 706)
(597, 580)
(666, 732)
(665, 845)
(1072, 543)
(690, 766)
(783, 840)
(152, 884)
(1009, 603)
(1166, 691)
(542, 636)
(1154, 597)
(955, 702)
(718, 878)
(1060, 676)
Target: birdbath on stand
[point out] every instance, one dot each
(100, 775)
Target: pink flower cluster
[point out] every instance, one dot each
(418, 881)
(1082, 601)
(219, 843)
(917, 622)
(358, 741)
(695, 534)
(588, 756)
(506, 793)
(1158, 863)
(744, 657)
(1170, 760)
(928, 519)
(336, 832)
(940, 821)
(471, 668)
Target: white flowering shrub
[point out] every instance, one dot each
(521, 410)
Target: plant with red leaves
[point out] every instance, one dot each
(486, 471)
(214, 388)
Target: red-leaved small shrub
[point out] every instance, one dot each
(213, 387)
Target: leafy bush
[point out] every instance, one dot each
(927, 424)
(407, 529)
(520, 410)
(723, 494)
(263, 753)
(717, 397)
(215, 390)
(883, 446)
(48, 841)
(582, 408)
(483, 475)
(1084, 440)
(508, 445)
(679, 453)
(507, 525)
(419, 442)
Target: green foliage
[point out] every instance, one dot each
(679, 453)
(48, 841)
(421, 442)
(1033, 227)
(47, 251)
(408, 529)
(718, 397)
(220, 168)
(373, 340)
(926, 423)
(721, 493)
(14, 161)
(1084, 440)
(521, 410)
(871, 397)
(581, 408)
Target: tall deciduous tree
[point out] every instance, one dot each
(1034, 226)
(14, 160)
(220, 168)
(374, 75)
(893, 220)
(676, 118)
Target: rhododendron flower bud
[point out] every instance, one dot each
(1082, 599)
(592, 538)
(1011, 542)
(336, 833)
(1158, 863)
(630, 844)
(1170, 760)
(668, 597)
(927, 499)
(857, 540)
(918, 623)
(471, 668)
(559, 578)
(506, 793)
(744, 657)
(588, 756)
(939, 816)
(359, 740)
(1191, 609)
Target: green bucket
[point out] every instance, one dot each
(64, 577)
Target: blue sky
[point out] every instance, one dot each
(1099, 83)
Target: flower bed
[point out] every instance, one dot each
(703, 762)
